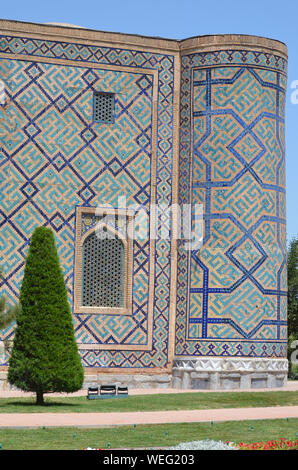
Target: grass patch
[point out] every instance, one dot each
(146, 436)
(185, 401)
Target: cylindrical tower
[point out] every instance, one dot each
(231, 305)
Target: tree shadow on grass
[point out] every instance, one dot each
(32, 403)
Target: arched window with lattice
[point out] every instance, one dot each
(103, 265)
(102, 274)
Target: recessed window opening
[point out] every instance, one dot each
(103, 107)
(102, 276)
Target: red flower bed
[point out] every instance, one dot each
(282, 444)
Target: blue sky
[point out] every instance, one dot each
(180, 19)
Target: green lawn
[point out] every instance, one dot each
(145, 436)
(185, 401)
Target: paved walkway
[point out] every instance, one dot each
(8, 420)
(155, 417)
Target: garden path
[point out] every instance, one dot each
(145, 417)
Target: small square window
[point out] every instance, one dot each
(103, 107)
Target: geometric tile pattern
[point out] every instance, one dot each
(231, 295)
(232, 292)
(54, 157)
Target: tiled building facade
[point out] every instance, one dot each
(194, 122)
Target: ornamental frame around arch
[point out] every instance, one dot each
(126, 309)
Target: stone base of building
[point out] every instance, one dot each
(196, 374)
(93, 380)
(4, 385)
(229, 373)
(131, 381)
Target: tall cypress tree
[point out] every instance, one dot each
(44, 356)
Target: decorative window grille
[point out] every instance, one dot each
(103, 107)
(103, 261)
(102, 276)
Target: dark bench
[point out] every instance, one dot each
(92, 391)
(107, 391)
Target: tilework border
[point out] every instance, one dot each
(200, 346)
